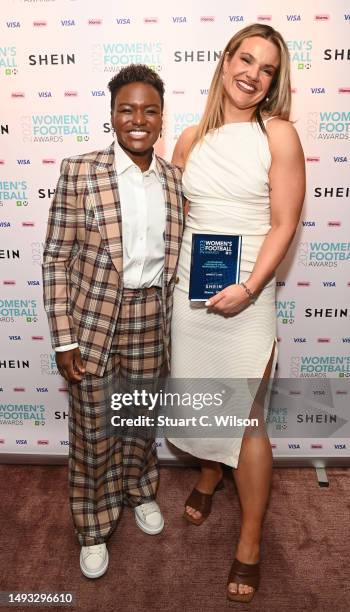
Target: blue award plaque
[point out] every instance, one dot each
(215, 264)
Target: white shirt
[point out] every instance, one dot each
(143, 224)
(143, 221)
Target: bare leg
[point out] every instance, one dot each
(253, 481)
(211, 474)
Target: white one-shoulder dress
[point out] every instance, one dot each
(226, 183)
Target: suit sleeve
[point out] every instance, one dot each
(58, 252)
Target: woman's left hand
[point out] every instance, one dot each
(229, 301)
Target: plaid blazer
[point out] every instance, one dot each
(83, 255)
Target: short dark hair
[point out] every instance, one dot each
(135, 73)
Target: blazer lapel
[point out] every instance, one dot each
(104, 197)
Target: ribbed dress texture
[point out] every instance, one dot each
(226, 183)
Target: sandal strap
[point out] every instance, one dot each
(200, 502)
(244, 573)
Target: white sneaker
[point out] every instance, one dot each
(149, 518)
(94, 560)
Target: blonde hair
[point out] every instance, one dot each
(279, 95)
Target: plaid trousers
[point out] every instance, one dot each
(107, 472)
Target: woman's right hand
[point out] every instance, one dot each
(230, 301)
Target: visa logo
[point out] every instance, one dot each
(299, 339)
(294, 446)
(67, 22)
(15, 337)
(33, 282)
(235, 18)
(204, 92)
(340, 446)
(122, 20)
(41, 389)
(346, 340)
(340, 158)
(98, 92)
(329, 283)
(280, 283)
(44, 94)
(293, 17)
(21, 442)
(13, 24)
(347, 17)
(179, 20)
(309, 223)
(23, 162)
(64, 442)
(318, 90)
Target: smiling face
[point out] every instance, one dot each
(137, 121)
(247, 77)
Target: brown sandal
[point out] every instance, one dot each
(202, 503)
(244, 573)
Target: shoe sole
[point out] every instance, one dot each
(148, 530)
(194, 521)
(97, 574)
(241, 598)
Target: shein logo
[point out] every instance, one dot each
(189, 55)
(53, 59)
(336, 54)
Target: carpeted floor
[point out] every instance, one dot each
(306, 548)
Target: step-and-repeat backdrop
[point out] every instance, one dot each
(56, 58)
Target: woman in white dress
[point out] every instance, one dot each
(243, 174)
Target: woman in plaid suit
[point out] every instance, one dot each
(114, 233)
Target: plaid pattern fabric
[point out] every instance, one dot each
(82, 261)
(106, 472)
